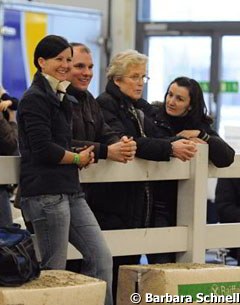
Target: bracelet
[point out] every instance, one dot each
(76, 159)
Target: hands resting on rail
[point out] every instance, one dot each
(184, 149)
(125, 150)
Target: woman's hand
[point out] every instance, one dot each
(86, 156)
(128, 149)
(122, 151)
(198, 141)
(193, 135)
(4, 105)
(184, 149)
(188, 134)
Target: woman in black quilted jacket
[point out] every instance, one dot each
(124, 205)
(183, 114)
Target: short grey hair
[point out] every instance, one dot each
(121, 62)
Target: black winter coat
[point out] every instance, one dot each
(45, 132)
(89, 127)
(220, 153)
(124, 205)
(165, 192)
(116, 110)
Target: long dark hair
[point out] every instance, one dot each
(198, 112)
(49, 47)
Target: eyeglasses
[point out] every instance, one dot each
(137, 78)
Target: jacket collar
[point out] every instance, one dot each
(56, 85)
(44, 84)
(76, 94)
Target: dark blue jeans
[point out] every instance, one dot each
(59, 219)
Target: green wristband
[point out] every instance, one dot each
(76, 159)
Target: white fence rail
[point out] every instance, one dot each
(192, 236)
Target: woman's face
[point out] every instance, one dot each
(177, 100)
(131, 84)
(58, 66)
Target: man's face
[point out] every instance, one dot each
(82, 69)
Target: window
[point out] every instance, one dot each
(189, 10)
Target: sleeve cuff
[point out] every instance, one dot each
(103, 151)
(203, 135)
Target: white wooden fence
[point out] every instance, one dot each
(192, 236)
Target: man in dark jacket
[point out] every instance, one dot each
(89, 126)
(8, 146)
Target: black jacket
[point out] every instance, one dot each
(127, 204)
(165, 192)
(116, 110)
(45, 132)
(227, 199)
(220, 153)
(89, 127)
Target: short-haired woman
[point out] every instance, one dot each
(129, 204)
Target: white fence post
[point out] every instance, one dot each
(191, 210)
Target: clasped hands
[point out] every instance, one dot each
(86, 156)
(184, 149)
(122, 151)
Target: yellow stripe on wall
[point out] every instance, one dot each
(35, 30)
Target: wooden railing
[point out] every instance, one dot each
(192, 236)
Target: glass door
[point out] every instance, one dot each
(170, 57)
(229, 97)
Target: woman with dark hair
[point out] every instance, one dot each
(52, 198)
(183, 114)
